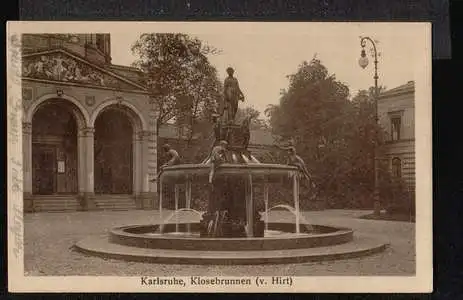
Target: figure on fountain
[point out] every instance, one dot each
(172, 156)
(297, 161)
(246, 135)
(218, 130)
(232, 95)
(246, 131)
(217, 158)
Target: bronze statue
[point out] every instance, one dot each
(218, 132)
(232, 94)
(246, 131)
(172, 156)
(297, 161)
(217, 158)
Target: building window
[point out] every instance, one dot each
(396, 167)
(396, 124)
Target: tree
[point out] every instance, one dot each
(182, 82)
(311, 111)
(250, 111)
(335, 135)
(179, 76)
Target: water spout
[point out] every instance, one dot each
(175, 214)
(297, 215)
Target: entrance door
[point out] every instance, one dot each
(44, 161)
(113, 153)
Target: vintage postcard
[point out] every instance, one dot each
(219, 157)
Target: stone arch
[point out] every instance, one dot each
(120, 170)
(80, 113)
(138, 121)
(54, 151)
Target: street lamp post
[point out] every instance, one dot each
(363, 62)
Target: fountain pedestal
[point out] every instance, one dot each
(231, 210)
(228, 211)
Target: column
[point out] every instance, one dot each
(152, 153)
(137, 167)
(145, 189)
(148, 187)
(89, 193)
(27, 166)
(81, 163)
(152, 160)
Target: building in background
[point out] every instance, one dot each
(396, 112)
(88, 134)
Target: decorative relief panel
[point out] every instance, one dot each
(90, 100)
(60, 67)
(27, 94)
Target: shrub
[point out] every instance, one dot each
(395, 196)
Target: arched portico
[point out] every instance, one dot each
(119, 149)
(133, 112)
(53, 147)
(68, 160)
(78, 109)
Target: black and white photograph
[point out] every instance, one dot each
(219, 157)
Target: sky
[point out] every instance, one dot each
(264, 55)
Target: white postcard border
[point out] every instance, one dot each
(422, 282)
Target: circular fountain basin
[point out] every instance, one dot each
(144, 243)
(281, 236)
(259, 171)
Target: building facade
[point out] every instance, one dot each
(88, 126)
(396, 113)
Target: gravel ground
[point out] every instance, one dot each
(49, 238)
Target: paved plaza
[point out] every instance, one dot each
(49, 240)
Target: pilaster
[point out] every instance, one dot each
(27, 166)
(149, 170)
(86, 162)
(138, 168)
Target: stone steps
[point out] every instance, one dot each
(115, 202)
(63, 203)
(56, 203)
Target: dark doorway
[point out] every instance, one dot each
(113, 153)
(54, 149)
(44, 158)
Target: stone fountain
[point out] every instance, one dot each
(231, 230)
(231, 210)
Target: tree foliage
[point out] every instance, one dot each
(183, 84)
(180, 78)
(250, 111)
(335, 135)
